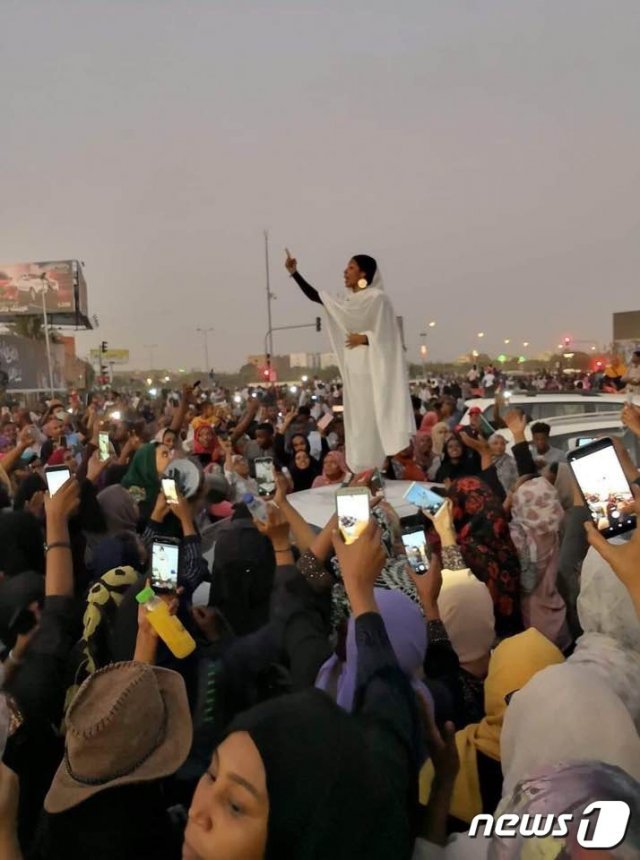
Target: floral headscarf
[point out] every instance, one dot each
(537, 517)
(487, 549)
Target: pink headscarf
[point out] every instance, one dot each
(537, 518)
(428, 423)
(332, 457)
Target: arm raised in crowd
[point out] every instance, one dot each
(516, 421)
(181, 412)
(12, 458)
(245, 422)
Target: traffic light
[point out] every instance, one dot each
(567, 341)
(318, 323)
(104, 346)
(266, 373)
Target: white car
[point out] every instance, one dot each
(541, 407)
(35, 285)
(570, 432)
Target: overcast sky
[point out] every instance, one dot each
(486, 152)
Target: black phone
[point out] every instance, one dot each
(415, 546)
(22, 622)
(604, 487)
(165, 558)
(197, 384)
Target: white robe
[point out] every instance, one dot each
(378, 416)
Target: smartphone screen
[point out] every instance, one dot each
(169, 490)
(415, 545)
(324, 422)
(604, 487)
(376, 483)
(56, 476)
(584, 440)
(352, 506)
(265, 476)
(103, 446)
(424, 498)
(164, 566)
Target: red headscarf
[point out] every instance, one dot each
(57, 458)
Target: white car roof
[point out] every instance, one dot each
(319, 505)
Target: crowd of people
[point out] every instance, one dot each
(335, 703)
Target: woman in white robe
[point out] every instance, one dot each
(366, 339)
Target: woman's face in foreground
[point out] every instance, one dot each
(229, 813)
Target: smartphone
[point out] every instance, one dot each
(338, 409)
(415, 545)
(63, 441)
(604, 487)
(103, 446)
(165, 556)
(196, 384)
(376, 483)
(265, 476)
(324, 422)
(22, 622)
(56, 476)
(584, 440)
(422, 497)
(170, 491)
(353, 509)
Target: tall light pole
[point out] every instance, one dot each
(270, 297)
(150, 347)
(205, 337)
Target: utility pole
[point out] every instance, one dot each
(205, 337)
(150, 347)
(270, 296)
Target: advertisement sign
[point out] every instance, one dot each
(25, 363)
(60, 285)
(111, 356)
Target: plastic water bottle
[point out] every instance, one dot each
(257, 507)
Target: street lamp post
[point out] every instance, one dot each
(150, 347)
(205, 338)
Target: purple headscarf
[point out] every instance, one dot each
(407, 631)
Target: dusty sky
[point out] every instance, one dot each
(487, 152)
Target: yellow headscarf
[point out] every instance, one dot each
(513, 663)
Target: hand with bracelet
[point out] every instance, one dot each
(59, 508)
(276, 528)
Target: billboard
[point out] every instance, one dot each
(111, 356)
(626, 325)
(25, 363)
(61, 286)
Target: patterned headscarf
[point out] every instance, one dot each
(569, 789)
(537, 517)
(487, 549)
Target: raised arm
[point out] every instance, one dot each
(291, 266)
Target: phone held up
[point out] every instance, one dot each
(415, 546)
(604, 487)
(353, 509)
(103, 446)
(169, 490)
(424, 498)
(265, 476)
(56, 477)
(165, 557)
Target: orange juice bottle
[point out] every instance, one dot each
(169, 628)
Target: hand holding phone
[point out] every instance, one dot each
(165, 557)
(56, 477)
(170, 491)
(415, 545)
(424, 498)
(265, 476)
(103, 446)
(604, 487)
(353, 510)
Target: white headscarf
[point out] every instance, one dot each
(566, 713)
(466, 610)
(610, 645)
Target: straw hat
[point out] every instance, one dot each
(129, 722)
